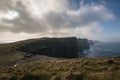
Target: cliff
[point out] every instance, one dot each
(53, 47)
(83, 44)
(91, 42)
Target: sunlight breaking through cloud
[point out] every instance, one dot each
(53, 18)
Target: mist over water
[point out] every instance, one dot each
(103, 49)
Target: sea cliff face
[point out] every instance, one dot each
(83, 44)
(53, 47)
(67, 47)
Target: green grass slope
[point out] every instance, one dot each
(64, 69)
(9, 52)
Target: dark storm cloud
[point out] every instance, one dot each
(25, 23)
(53, 21)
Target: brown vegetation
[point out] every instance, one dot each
(64, 69)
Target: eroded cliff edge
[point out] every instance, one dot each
(52, 47)
(67, 47)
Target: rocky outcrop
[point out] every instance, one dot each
(53, 47)
(83, 44)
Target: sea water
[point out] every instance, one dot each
(103, 49)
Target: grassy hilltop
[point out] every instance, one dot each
(52, 47)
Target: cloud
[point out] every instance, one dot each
(52, 18)
(11, 37)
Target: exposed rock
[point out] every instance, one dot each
(82, 44)
(53, 47)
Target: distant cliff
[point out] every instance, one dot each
(53, 47)
(91, 42)
(83, 44)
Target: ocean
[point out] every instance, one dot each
(102, 50)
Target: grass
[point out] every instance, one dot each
(8, 53)
(64, 69)
(11, 57)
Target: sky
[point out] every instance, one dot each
(91, 19)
